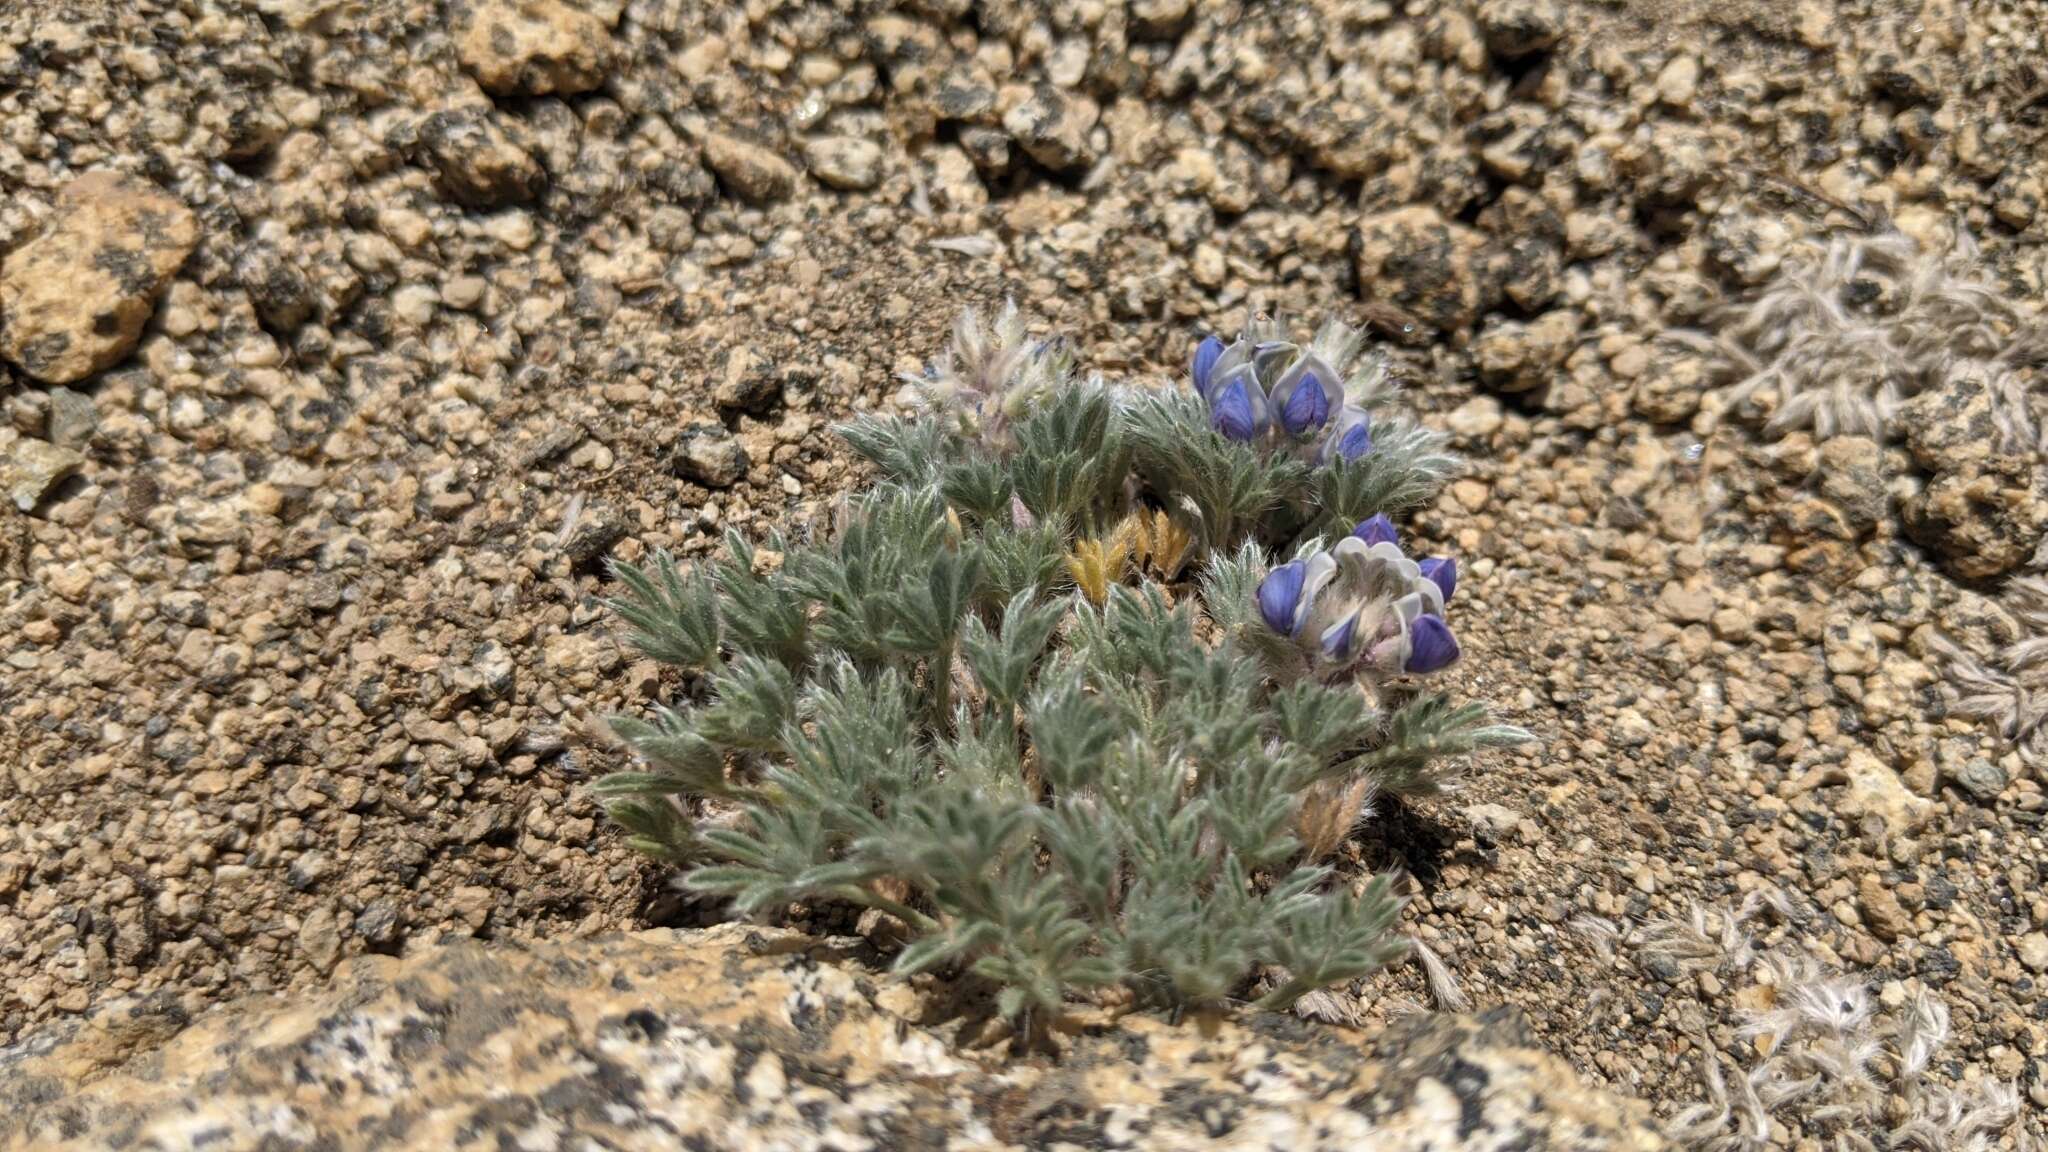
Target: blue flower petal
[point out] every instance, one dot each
(1307, 407)
(1443, 572)
(1431, 645)
(1206, 355)
(1378, 530)
(1356, 441)
(1235, 411)
(1280, 595)
(1350, 435)
(1338, 637)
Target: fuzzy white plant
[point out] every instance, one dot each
(1820, 1058)
(1843, 337)
(991, 375)
(2004, 680)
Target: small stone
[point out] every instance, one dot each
(320, 939)
(845, 162)
(1515, 357)
(1517, 28)
(1632, 729)
(747, 386)
(532, 47)
(73, 299)
(598, 527)
(1851, 476)
(752, 172)
(1881, 910)
(463, 292)
(73, 419)
(377, 924)
(711, 456)
(2033, 951)
(1678, 81)
(1983, 779)
(1493, 823)
(1686, 603)
(479, 163)
(1851, 648)
(1875, 790)
(1053, 128)
(30, 468)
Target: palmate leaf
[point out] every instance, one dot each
(753, 699)
(1407, 466)
(1419, 735)
(1333, 939)
(1322, 720)
(674, 617)
(1016, 559)
(1003, 661)
(1231, 490)
(676, 751)
(909, 451)
(763, 615)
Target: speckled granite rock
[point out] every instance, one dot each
(73, 299)
(532, 47)
(745, 1038)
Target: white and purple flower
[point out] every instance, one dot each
(1265, 387)
(1364, 605)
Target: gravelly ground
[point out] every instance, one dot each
(302, 646)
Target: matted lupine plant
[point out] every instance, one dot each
(1087, 691)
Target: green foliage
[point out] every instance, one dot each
(1050, 794)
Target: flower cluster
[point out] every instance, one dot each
(1264, 388)
(1364, 606)
(991, 376)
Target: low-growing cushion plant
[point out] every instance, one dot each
(1080, 692)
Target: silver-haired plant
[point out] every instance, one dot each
(1841, 338)
(1043, 699)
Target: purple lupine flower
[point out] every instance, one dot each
(1441, 571)
(1204, 366)
(1431, 645)
(1238, 408)
(1350, 435)
(1305, 395)
(1280, 597)
(1377, 530)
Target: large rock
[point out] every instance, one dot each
(1982, 509)
(1429, 267)
(746, 1038)
(73, 299)
(532, 47)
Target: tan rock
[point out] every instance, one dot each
(1423, 264)
(1876, 790)
(73, 299)
(533, 47)
(30, 469)
(757, 174)
(740, 1037)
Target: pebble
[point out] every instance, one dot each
(847, 162)
(30, 469)
(74, 298)
(754, 172)
(1053, 128)
(711, 456)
